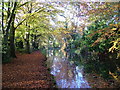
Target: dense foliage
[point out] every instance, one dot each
(100, 42)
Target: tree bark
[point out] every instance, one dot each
(27, 35)
(27, 43)
(10, 19)
(12, 32)
(12, 37)
(35, 43)
(3, 17)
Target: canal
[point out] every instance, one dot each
(67, 74)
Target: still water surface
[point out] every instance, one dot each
(66, 73)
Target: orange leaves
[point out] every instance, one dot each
(116, 5)
(107, 33)
(27, 71)
(116, 25)
(91, 12)
(97, 41)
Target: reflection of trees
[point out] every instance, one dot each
(66, 71)
(67, 74)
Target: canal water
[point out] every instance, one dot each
(67, 74)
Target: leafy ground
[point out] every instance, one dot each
(96, 81)
(27, 71)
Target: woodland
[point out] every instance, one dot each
(90, 30)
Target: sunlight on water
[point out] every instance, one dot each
(67, 75)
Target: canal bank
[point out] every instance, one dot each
(70, 72)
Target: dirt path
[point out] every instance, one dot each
(27, 71)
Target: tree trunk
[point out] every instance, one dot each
(35, 42)
(3, 16)
(10, 18)
(20, 44)
(9, 21)
(12, 37)
(27, 43)
(28, 33)
(12, 45)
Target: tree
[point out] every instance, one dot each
(36, 24)
(110, 16)
(7, 25)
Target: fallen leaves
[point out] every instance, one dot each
(27, 71)
(95, 81)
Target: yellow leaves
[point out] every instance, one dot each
(102, 6)
(91, 11)
(66, 32)
(81, 30)
(113, 75)
(116, 46)
(116, 25)
(113, 29)
(54, 32)
(61, 31)
(117, 18)
(112, 48)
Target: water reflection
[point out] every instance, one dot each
(66, 73)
